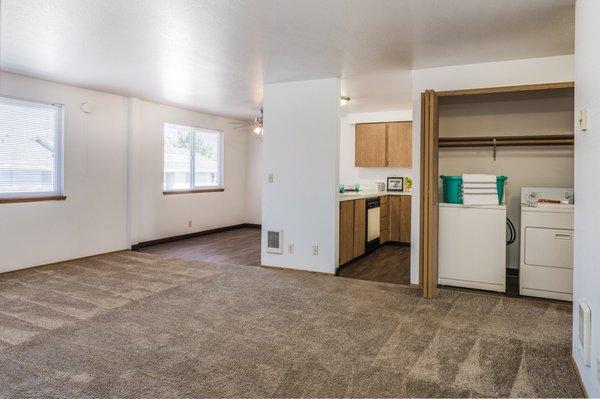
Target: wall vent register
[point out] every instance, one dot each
(275, 241)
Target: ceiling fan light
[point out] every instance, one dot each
(344, 100)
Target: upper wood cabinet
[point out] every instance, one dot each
(399, 144)
(370, 148)
(383, 144)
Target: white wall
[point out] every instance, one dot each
(301, 143)
(366, 177)
(506, 73)
(92, 218)
(154, 215)
(586, 281)
(253, 179)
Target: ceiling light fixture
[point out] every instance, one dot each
(344, 100)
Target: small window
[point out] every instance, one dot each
(192, 158)
(30, 149)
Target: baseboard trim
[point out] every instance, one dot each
(144, 244)
(578, 375)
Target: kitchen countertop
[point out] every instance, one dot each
(352, 195)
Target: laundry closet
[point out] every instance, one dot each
(526, 135)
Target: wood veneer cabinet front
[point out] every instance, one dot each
(346, 231)
(360, 226)
(370, 145)
(399, 144)
(383, 144)
(400, 213)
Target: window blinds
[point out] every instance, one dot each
(30, 148)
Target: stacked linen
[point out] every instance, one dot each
(479, 189)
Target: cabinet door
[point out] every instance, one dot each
(405, 218)
(370, 145)
(395, 217)
(346, 231)
(399, 144)
(360, 226)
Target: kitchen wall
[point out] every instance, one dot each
(300, 150)
(586, 279)
(154, 215)
(514, 114)
(505, 73)
(92, 219)
(366, 177)
(113, 179)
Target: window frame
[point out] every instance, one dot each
(195, 189)
(59, 193)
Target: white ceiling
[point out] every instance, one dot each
(215, 55)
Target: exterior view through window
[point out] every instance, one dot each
(30, 149)
(192, 158)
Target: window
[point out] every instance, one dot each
(192, 159)
(30, 150)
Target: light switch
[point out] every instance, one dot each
(583, 120)
(270, 177)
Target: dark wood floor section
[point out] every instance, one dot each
(238, 247)
(387, 264)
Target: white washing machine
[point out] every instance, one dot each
(472, 246)
(546, 267)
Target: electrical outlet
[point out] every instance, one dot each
(290, 248)
(189, 223)
(315, 249)
(270, 177)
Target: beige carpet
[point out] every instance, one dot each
(135, 325)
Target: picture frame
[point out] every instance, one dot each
(395, 184)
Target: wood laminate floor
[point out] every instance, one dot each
(387, 264)
(237, 247)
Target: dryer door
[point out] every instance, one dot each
(549, 247)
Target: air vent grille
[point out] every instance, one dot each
(274, 241)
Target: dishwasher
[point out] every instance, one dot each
(373, 219)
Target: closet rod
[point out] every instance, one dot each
(504, 141)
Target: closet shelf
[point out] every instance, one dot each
(506, 141)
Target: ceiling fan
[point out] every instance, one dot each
(256, 124)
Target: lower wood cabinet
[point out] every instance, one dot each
(400, 212)
(360, 226)
(346, 231)
(394, 224)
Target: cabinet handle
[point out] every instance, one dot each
(559, 236)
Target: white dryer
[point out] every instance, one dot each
(546, 267)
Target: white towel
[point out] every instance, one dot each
(480, 186)
(480, 199)
(468, 191)
(478, 178)
(479, 190)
